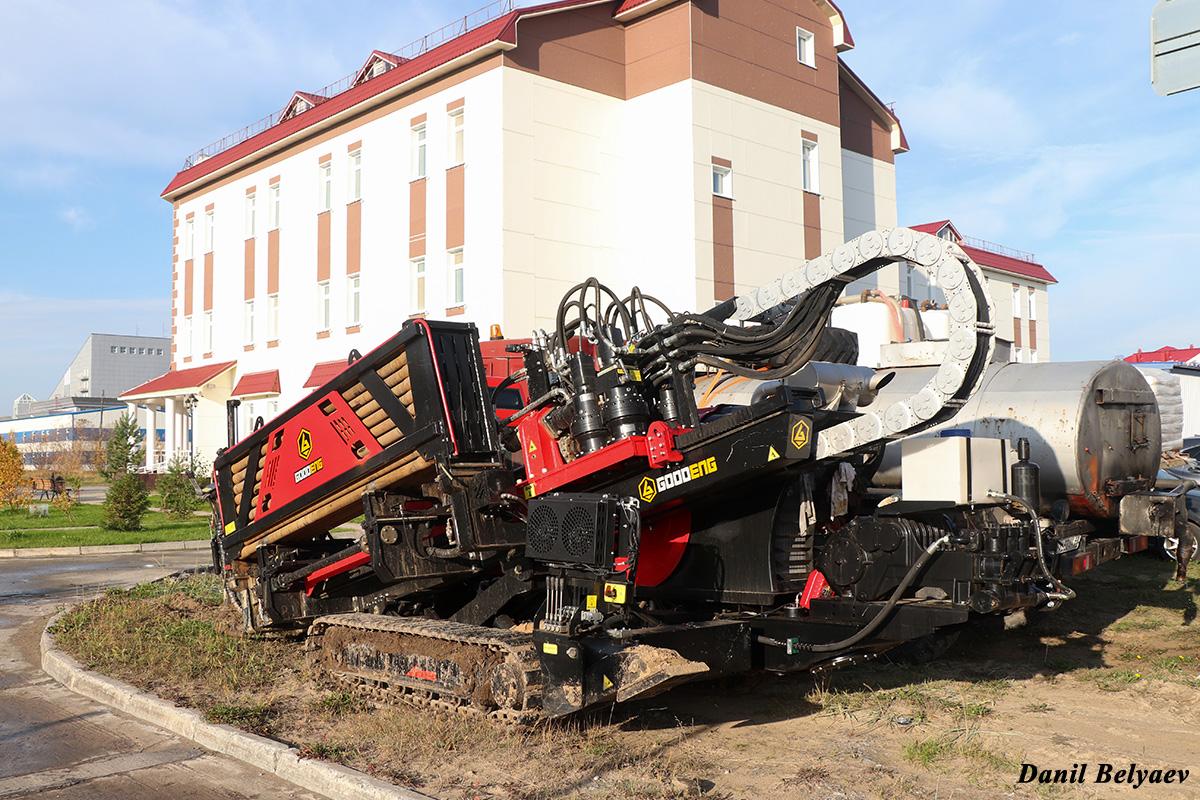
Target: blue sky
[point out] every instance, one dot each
(1039, 131)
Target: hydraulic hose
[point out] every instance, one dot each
(1065, 592)
(883, 613)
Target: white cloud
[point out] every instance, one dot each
(77, 217)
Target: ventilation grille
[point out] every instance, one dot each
(572, 529)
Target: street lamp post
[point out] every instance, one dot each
(190, 402)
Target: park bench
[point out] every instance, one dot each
(49, 488)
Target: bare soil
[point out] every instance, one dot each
(1111, 678)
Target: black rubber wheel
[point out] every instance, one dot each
(838, 346)
(923, 650)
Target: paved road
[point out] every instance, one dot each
(55, 744)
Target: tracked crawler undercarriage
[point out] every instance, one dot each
(638, 537)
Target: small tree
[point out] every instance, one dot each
(14, 484)
(178, 495)
(68, 498)
(125, 504)
(124, 446)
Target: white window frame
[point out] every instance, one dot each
(209, 230)
(185, 337)
(324, 306)
(722, 181)
(420, 151)
(1032, 356)
(273, 317)
(1016, 301)
(1032, 305)
(353, 300)
(355, 187)
(189, 238)
(810, 172)
(248, 322)
(325, 187)
(806, 51)
(207, 331)
(456, 288)
(274, 206)
(251, 215)
(416, 285)
(457, 127)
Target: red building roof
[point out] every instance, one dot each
(501, 32)
(257, 383)
(180, 381)
(323, 372)
(985, 254)
(1164, 354)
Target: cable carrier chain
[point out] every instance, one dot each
(608, 538)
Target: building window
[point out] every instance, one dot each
(272, 317)
(805, 51)
(185, 337)
(418, 152)
(251, 211)
(356, 176)
(141, 351)
(1032, 305)
(454, 277)
(189, 238)
(323, 307)
(1018, 356)
(1032, 356)
(122, 351)
(207, 332)
(722, 178)
(113, 349)
(1016, 301)
(209, 233)
(457, 126)
(158, 351)
(248, 323)
(353, 300)
(325, 187)
(810, 180)
(273, 207)
(416, 285)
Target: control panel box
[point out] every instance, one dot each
(955, 469)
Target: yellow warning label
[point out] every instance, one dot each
(591, 602)
(549, 648)
(229, 527)
(614, 593)
(772, 454)
(530, 491)
(532, 447)
(607, 683)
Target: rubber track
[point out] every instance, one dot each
(516, 647)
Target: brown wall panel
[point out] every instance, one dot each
(723, 279)
(584, 48)
(750, 48)
(455, 206)
(208, 281)
(1016, 331)
(189, 278)
(324, 232)
(862, 130)
(249, 269)
(416, 218)
(1032, 334)
(353, 237)
(273, 262)
(658, 50)
(812, 225)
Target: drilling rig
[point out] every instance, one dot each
(614, 537)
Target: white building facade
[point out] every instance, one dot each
(691, 148)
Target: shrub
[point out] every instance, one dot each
(125, 504)
(14, 484)
(178, 494)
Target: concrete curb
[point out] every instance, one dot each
(332, 780)
(103, 549)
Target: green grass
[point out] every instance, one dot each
(21, 529)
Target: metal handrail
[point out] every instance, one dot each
(999, 249)
(413, 49)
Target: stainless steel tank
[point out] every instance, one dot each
(1090, 424)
